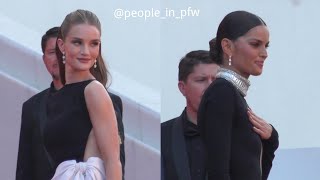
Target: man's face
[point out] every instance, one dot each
(50, 58)
(197, 82)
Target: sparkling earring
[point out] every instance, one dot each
(63, 58)
(95, 64)
(229, 60)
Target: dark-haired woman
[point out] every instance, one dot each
(239, 144)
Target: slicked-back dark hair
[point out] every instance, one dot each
(233, 25)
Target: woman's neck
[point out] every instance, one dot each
(245, 75)
(77, 76)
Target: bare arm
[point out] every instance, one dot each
(105, 129)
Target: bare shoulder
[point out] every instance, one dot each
(95, 90)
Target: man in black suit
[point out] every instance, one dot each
(34, 162)
(182, 151)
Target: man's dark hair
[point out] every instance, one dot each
(53, 32)
(192, 59)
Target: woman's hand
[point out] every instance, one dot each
(260, 126)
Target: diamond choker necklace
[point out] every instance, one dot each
(241, 83)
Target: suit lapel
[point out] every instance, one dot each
(42, 114)
(179, 151)
(42, 119)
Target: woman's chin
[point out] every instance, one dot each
(257, 73)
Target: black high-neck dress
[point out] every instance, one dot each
(234, 150)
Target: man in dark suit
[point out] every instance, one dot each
(182, 151)
(117, 104)
(34, 162)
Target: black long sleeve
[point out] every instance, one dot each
(269, 147)
(216, 119)
(233, 148)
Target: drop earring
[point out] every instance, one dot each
(229, 60)
(63, 58)
(95, 64)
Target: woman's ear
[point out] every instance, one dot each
(60, 44)
(227, 46)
